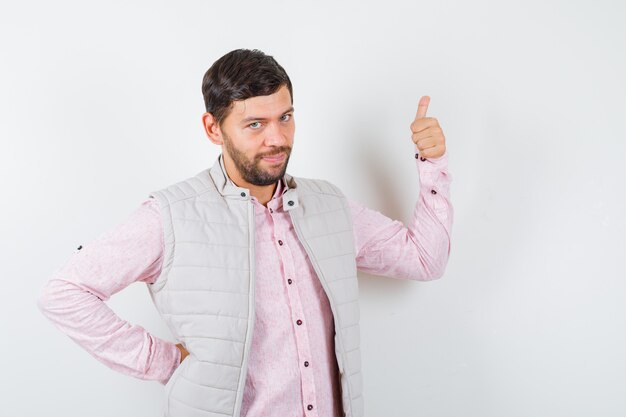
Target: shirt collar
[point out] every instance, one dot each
(287, 187)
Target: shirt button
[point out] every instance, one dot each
(422, 159)
(243, 194)
(433, 192)
(298, 322)
(291, 203)
(309, 407)
(271, 211)
(79, 247)
(306, 363)
(280, 242)
(417, 155)
(289, 281)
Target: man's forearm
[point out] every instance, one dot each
(121, 346)
(74, 297)
(418, 251)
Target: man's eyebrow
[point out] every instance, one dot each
(251, 118)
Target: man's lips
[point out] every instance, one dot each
(275, 158)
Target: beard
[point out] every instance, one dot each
(251, 170)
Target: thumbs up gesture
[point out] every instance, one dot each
(426, 132)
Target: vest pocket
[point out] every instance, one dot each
(169, 386)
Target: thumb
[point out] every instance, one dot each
(422, 107)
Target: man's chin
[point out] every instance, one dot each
(269, 176)
(277, 173)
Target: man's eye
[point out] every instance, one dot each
(254, 125)
(286, 117)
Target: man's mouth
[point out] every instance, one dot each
(275, 158)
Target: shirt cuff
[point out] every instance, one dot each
(431, 170)
(166, 362)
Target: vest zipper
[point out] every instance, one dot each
(251, 310)
(322, 279)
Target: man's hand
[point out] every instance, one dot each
(183, 352)
(426, 132)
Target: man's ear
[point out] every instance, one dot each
(211, 128)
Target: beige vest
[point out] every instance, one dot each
(205, 292)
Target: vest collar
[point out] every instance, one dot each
(227, 188)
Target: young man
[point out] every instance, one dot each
(253, 270)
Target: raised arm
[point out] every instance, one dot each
(421, 250)
(74, 297)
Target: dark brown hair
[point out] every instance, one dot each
(238, 75)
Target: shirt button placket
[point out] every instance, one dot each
(302, 343)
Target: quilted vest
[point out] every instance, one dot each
(205, 292)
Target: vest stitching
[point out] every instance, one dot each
(168, 241)
(208, 386)
(207, 289)
(219, 363)
(178, 199)
(204, 314)
(347, 302)
(352, 350)
(198, 408)
(342, 278)
(212, 337)
(213, 244)
(212, 266)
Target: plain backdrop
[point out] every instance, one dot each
(100, 103)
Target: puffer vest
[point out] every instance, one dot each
(205, 292)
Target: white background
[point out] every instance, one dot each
(100, 103)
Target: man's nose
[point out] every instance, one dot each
(275, 135)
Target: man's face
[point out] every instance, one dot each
(258, 137)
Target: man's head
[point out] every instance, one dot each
(249, 111)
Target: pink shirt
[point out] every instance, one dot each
(292, 363)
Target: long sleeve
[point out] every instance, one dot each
(74, 297)
(417, 252)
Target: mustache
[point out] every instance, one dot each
(285, 149)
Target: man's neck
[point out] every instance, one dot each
(263, 193)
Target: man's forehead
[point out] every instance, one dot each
(278, 102)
